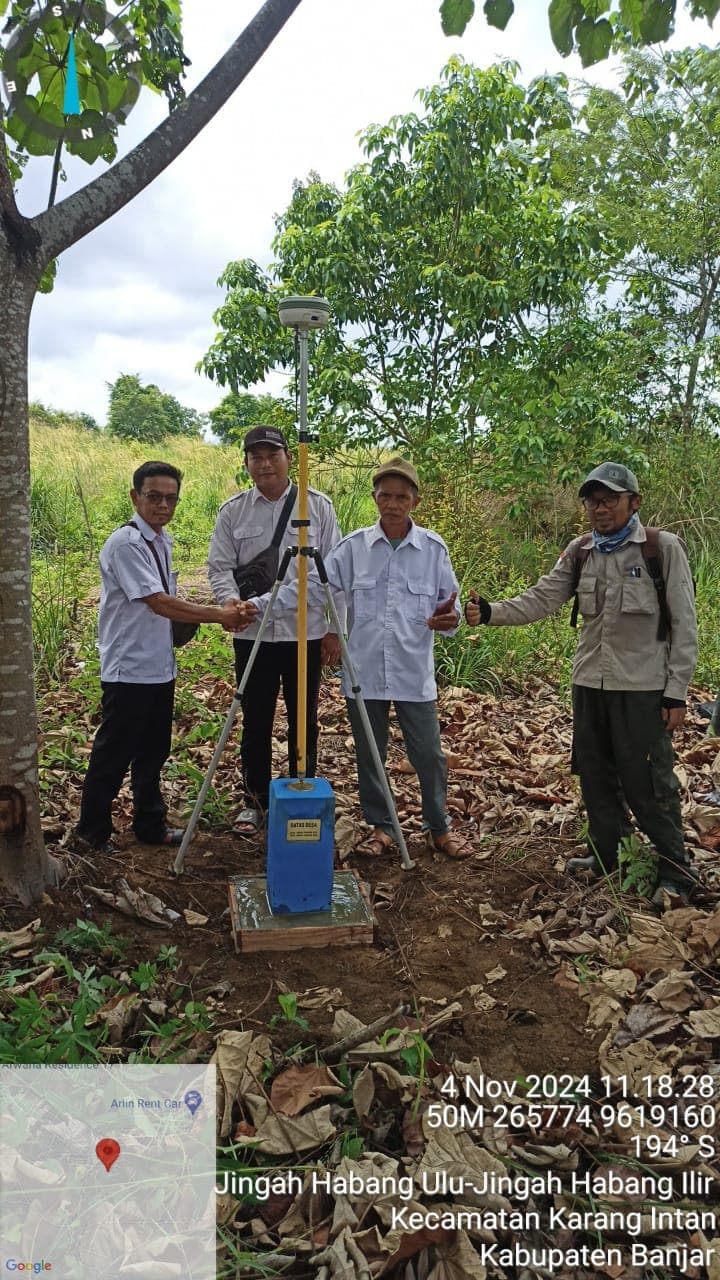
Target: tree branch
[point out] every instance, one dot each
(8, 206)
(55, 172)
(698, 336)
(86, 209)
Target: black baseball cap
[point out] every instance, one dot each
(264, 435)
(614, 476)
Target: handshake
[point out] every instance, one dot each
(477, 610)
(237, 615)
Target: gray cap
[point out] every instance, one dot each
(614, 476)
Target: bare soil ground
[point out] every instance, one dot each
(502, 963)
(441, 927)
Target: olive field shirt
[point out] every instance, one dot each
(618, 646)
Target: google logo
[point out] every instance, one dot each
(36, 1267)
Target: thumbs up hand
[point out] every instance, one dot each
(445, 617)
(477, 610)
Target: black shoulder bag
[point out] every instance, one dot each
(182, 632)
(257, 576)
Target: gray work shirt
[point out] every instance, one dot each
(135, 644)
(618, 646)
(245, 525)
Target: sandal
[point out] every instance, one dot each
(451, 845)
(374, 845)
(173, 836)
(247, 823)
(170, 836)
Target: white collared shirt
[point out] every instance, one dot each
(135, 644)
(390, 594)
(245, 525)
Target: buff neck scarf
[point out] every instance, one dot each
(608, 542)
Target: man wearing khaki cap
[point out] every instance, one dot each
(399, 589)
(635, 656)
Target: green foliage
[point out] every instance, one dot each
(60, 418)
(80, 493)
(455, 15)
(436, 258)
(147, 414)
(238, 412)
(141, 45)
(590, 27)
(638, 866)
(35, 1036)
(85, 938)
(289, 1012)
(352, 1145)
(168, 956)
(646, 164)
(499, 12)
(56, 590)
(146, 976)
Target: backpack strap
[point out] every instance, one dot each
(583, 547)
(651, 555)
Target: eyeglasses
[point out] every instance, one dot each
(610, 500)
(157, 499)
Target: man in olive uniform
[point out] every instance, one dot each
(634, 660)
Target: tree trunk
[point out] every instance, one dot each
(26, 246)
(25, 868)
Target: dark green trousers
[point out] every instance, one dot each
(624, 758)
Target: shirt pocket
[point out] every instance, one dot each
(587, 594)
(290, 536)
(248, 540)
(420, 600)
(638, 595)
(364, 599)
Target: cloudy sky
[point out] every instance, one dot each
(137, 296)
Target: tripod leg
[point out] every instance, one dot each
(195, 815)
(713, 729)
(406, 860)
(222, 741)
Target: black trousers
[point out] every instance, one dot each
(624, 757)
(135, 733)
(275, 663)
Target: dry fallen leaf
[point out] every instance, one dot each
(19, 937)
(645, 1022)
(496, 974)
(299, 1086)
(706, 1022)
(194, 917)
(288, 1135)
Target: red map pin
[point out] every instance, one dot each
(107, 1152)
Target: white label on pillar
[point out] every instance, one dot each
(302, 830)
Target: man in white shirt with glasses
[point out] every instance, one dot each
(138, 605)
